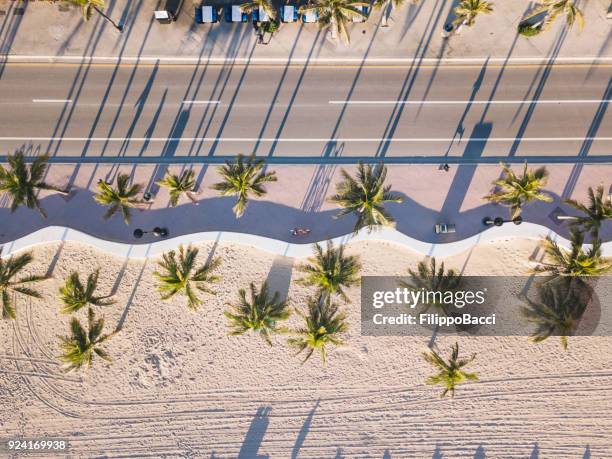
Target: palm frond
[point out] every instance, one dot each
(179, 274)
(324, 324)
(450, 373)
(10, 282)
(365, 197)
(259, 314)
(330, 270)
(241, 179)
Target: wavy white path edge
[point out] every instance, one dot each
(294, 250)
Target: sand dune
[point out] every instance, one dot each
(180, 387)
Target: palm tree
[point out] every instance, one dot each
(387, 7)
(574, 263)
(9, 269)
(260, 314)
(22, 183)
(336, 14)
(433, 279)
(89, 6)
(322, 326)
(123, 198)
(266, 5)
(449, 374)
(331, 271)
(515, 192)
(554, 8)
(557, 313)
(182, 276)
(75, 295)
(241, 179)
(468, 10)
(178, 185)
(79, 348)
(365, 196)
(598, 210)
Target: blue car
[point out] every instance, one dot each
(259, 15)
(206, 14)
(233, 13)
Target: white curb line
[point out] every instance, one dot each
(11, 58)
(141, 251)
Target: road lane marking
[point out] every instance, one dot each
(201, 102)
(467, 102)
(52, 101)
(303, 140)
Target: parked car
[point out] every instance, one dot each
(206, 14)
(260, 15)
(288, 13)
(233, 13)
(310, 16)
(170, 12)
(365, 10)
(443, 228)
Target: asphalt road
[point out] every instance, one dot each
(171, 111)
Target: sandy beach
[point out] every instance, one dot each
(178, 386)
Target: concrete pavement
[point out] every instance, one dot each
(414, 32)
(299, 199)
(465, 114)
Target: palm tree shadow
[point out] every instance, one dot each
(543, 76)
(279, 87)
(460, 130)
(585, 148)
(465, 172)
(299, 442)
(133, 293)
(279, 276)
(413, 11)
(437, 453)
(321, 180)
(587, 453)
(294, 95)
(8, 30)
(255, 435)
(57, 255)
(410, 79)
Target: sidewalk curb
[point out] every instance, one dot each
(317, 160)
(371, 61)
(293, 250)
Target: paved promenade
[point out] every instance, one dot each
(298, 199)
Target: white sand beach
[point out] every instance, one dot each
(178, 386)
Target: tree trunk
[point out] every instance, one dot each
(115, 25)
(387, 14)
(192, 198)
